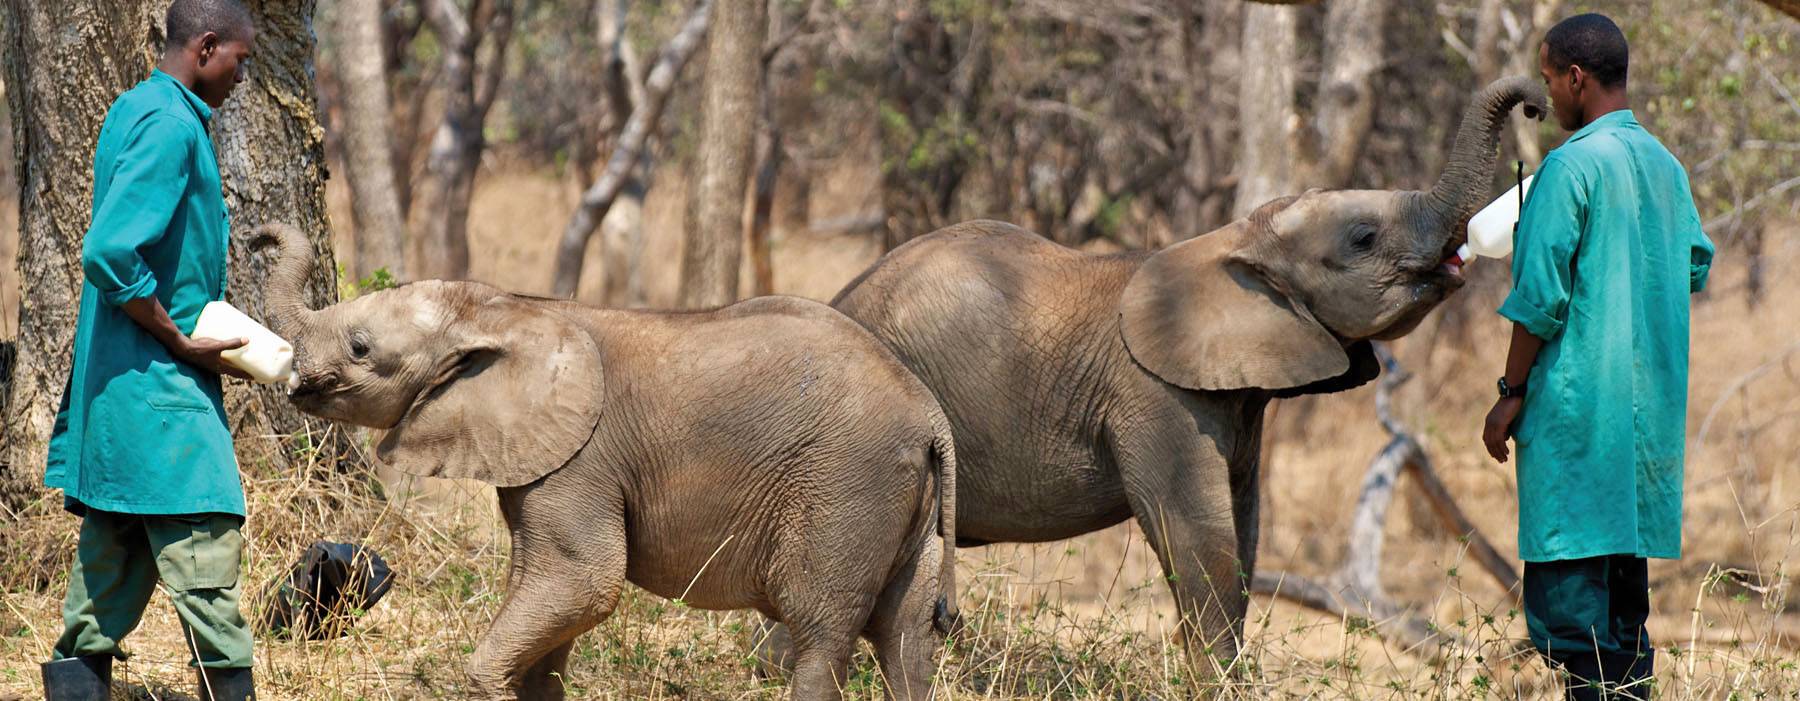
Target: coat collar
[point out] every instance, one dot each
(1611, 120)
(201, 109)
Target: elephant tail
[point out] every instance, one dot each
(947, 618)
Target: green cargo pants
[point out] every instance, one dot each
(1587, 616)
(117, 564)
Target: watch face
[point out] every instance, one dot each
(1503, 387)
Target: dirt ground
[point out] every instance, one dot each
(1099, 599)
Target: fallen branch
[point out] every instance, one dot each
(598, 199)
(1355, 591)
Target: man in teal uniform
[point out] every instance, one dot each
(1595, 392)
(140, 448)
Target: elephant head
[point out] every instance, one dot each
(1287, 298)
(468, 381)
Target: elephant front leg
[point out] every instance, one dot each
(551, 601)
(1183, 502)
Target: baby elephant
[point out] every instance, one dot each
(768, 455)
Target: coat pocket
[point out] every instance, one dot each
(171, 387)
(197, 552)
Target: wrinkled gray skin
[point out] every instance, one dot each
(1087, 389)
(769, 455)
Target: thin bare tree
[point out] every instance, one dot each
(1281, 153)
(628, 148)
(441, 250)
(361, 59)
(714, 240)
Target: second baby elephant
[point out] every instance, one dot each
(770, 455)
(1084, 390)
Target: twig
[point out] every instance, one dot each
(1750, 204)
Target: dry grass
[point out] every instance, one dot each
(1087, 618)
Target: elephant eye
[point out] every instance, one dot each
(359, 349)
(1364, 239)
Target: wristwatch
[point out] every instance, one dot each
(1509, 390)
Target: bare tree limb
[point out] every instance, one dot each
(599, 197)
(1355, 589)
(451, 27)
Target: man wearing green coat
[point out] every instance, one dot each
(140, 448)
(1608, 250)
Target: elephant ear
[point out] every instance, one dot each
(1204, 315)
(518, 396)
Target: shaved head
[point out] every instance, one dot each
(192, 18)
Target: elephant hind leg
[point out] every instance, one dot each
(823, 623)
(903, 627)
(822, 647)
(773, 649)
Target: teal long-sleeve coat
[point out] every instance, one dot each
(1609, 248)
(139, 431)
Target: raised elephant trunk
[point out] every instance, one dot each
(287, 288)
(1462, 188)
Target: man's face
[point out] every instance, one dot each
(223, 64)
(1564, 93)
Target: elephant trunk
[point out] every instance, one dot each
(287, 288)
(1462, 188)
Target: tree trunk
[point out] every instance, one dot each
(442, 251)
(715, 206)
(60, 84)
(272, 161)
(1266, 106)
(368, 154)
(1345, 108)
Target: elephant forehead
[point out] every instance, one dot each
(427, 312)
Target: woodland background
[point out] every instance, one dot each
(670, 154)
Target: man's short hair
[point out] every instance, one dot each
(1593, 42)
(191, 18)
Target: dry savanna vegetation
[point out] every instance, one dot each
(1079, 124)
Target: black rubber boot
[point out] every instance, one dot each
(226, 684)
(1583, 679)
(78, 678)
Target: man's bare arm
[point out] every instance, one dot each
(148, 312)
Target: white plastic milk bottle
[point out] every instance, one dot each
(1491, 229)
(266, 357)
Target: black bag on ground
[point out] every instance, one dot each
(331, 585)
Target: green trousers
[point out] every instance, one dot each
(1587, 617)
(118, 562)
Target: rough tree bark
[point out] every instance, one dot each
(616, 178)
(271, 153)
(442, 248)
(60, 84)
(368, 151)
(1267, 118)
(714, 240)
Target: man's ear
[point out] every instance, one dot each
(209, 46)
